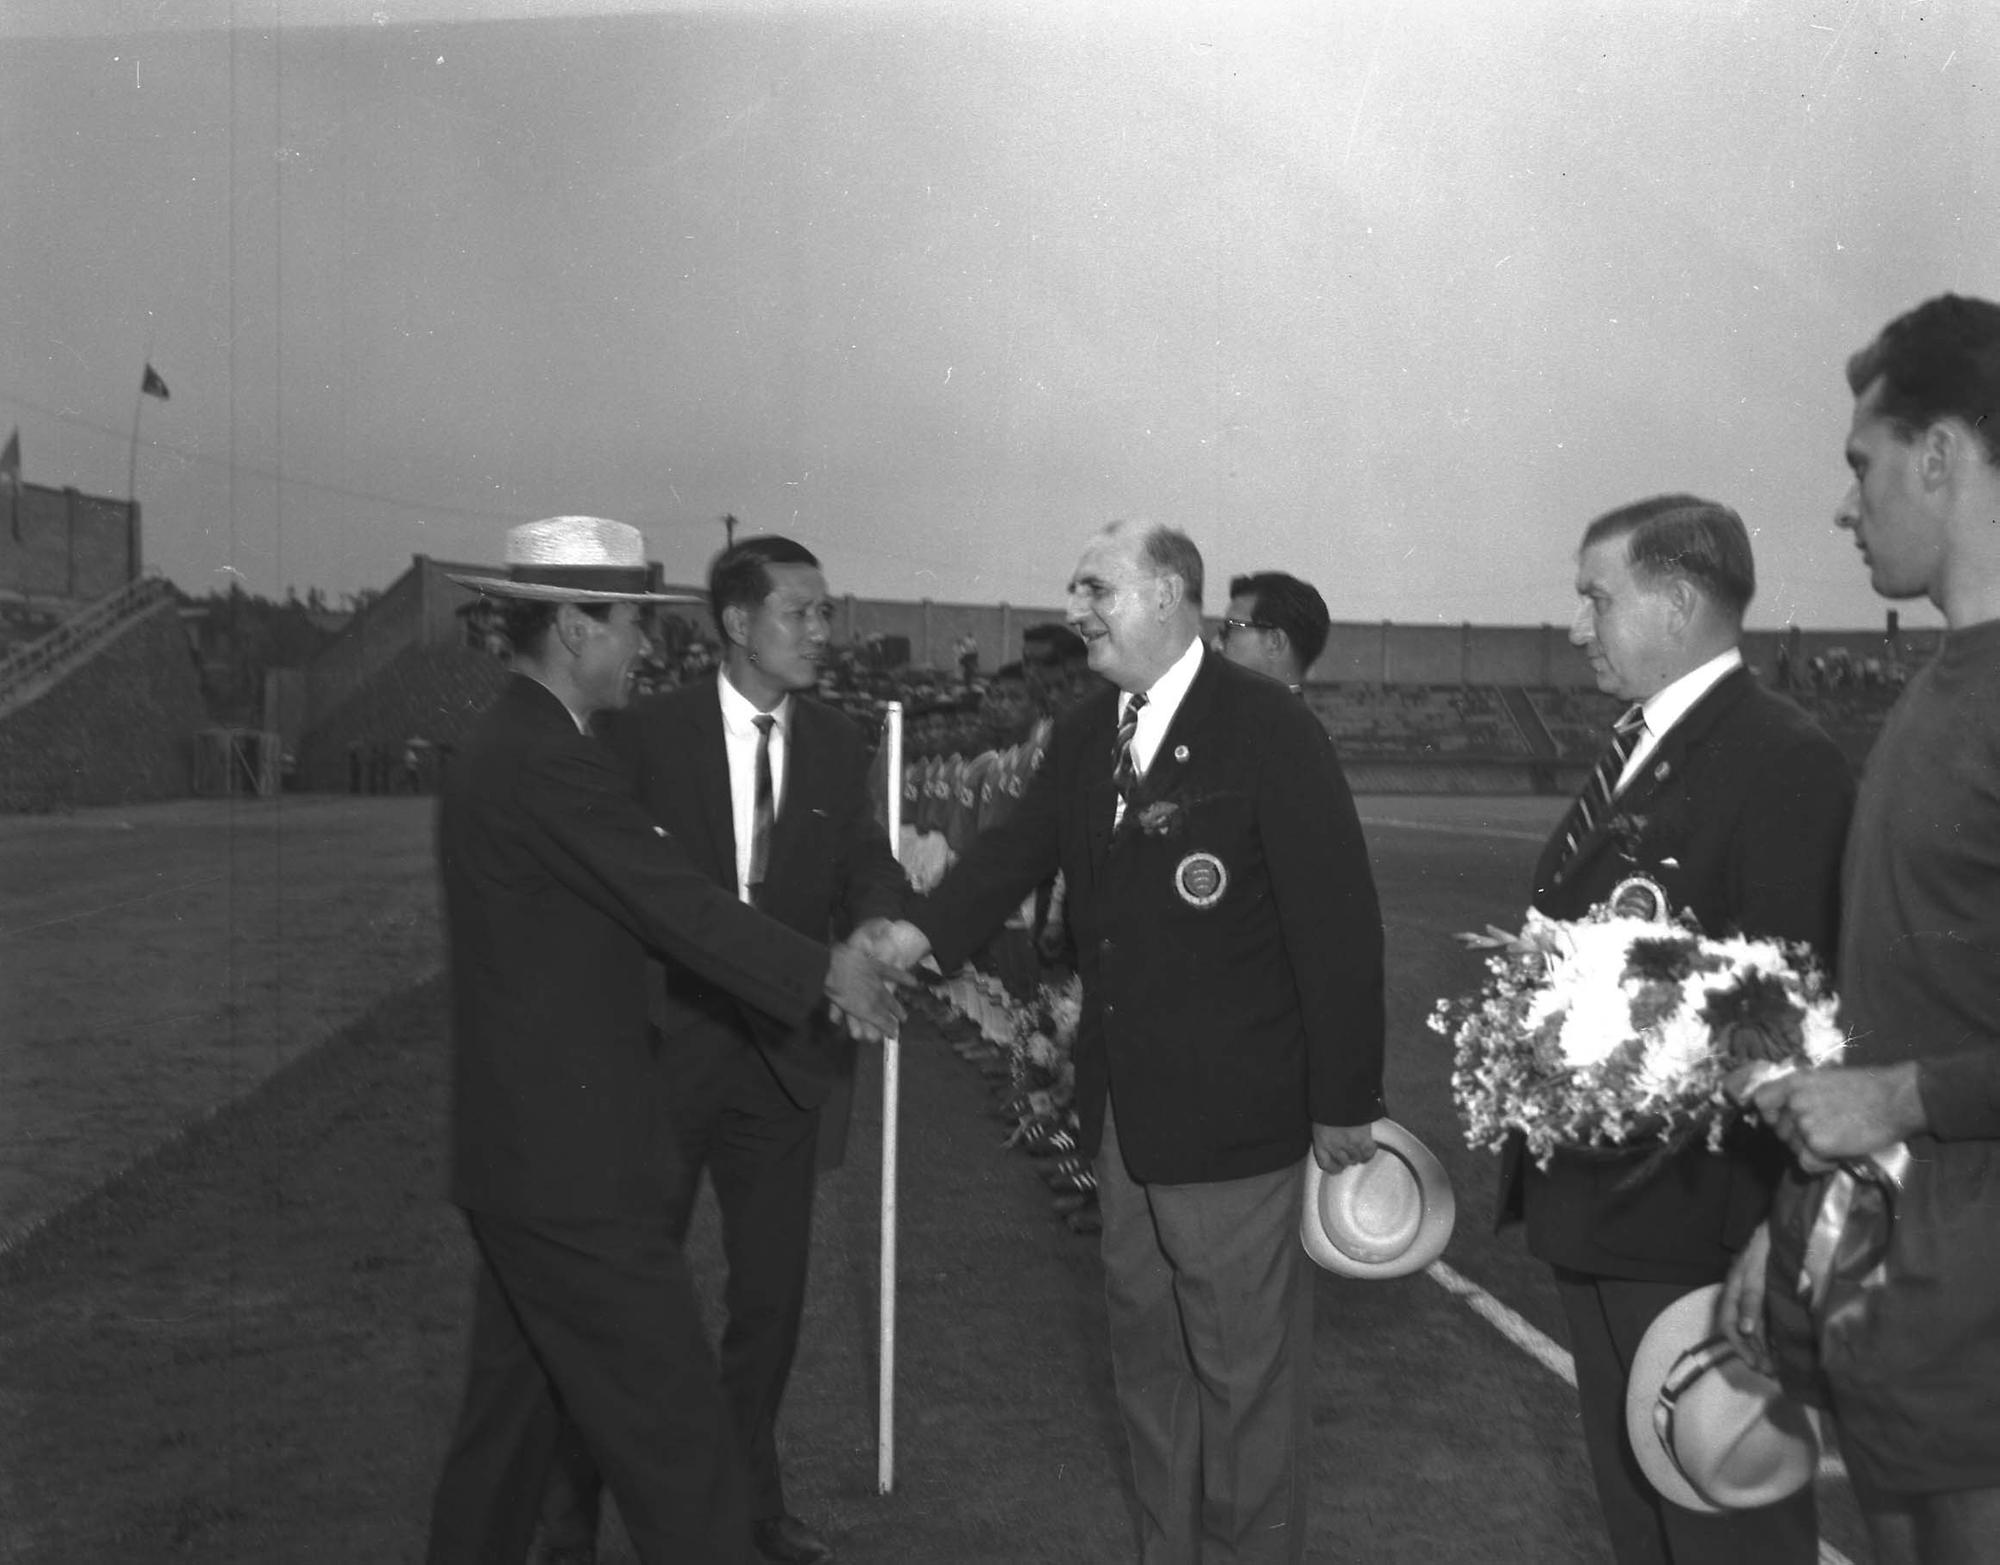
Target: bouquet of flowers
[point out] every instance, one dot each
(1615, 1031)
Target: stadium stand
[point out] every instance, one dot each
(104, 709)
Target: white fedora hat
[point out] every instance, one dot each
(1712, 1434)
(575, 559)
(1386, 1217)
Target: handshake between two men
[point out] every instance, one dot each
(867, 969)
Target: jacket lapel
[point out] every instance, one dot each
(1094, 763)
(710, 769)
(1662, 769)
(796, 806)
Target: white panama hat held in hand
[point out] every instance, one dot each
(1387, 1217)
(1710, 1432)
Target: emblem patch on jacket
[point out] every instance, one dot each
(1200, 879)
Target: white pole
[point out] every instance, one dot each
(885, 1393)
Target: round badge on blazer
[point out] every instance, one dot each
(1201, 879)
(1640, 896)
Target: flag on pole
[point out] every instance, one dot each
(152, 385)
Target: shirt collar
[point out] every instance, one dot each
(739, 712)
(1163, 696)
(1666, 707)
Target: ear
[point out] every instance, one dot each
(736, 624)
(1683, 599)
(1943, 449)
(1172, 590)
(572, 627)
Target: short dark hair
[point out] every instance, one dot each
(1681, 535)
(1939, 360)
(740, 575)
(526, 621)
(1288, 604)
(1171, 552)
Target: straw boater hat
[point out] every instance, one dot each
(1386, 1217)
(1712, 1434)
(576, 559)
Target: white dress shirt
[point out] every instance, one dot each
(739, 738)
(1163, 699)
(1664, 708)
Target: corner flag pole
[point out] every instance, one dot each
(885, 1391)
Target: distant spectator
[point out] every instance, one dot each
(968, 658)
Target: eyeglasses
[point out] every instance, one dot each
(1230, 626)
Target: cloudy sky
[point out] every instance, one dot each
(1393, 295)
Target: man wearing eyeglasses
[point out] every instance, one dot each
(1275, 625)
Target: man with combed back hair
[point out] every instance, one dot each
(1734, 804)
(1230, 945)
(1911, 1360)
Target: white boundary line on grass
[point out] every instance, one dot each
(1558, 1362)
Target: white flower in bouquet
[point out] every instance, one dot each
(1610, 1030)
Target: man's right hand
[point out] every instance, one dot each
(1739, 1312)
(861, 991)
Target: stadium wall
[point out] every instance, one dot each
(62, 543)
(117, 729)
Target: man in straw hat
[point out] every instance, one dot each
(1911, 1358)
(1734, 804)
(768, 791)
(1230, 943)
(557, 887)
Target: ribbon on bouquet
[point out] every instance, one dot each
(1848, 1238)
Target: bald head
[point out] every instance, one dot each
(1136, 601)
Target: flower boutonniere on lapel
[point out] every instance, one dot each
(1161, 818)
(1628, 830)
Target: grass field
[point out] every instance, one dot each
(246, 1347)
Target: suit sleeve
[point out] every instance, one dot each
(590, 834)
(871, 883)
(1330, 917)
(1790, 836)
(998, 871)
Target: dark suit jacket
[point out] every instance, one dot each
(556, 887)
(1224, 1032)
(830, 868)
(1741, 814)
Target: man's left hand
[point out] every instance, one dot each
(1337, 1146)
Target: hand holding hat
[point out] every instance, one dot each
(1711, 1433)
(1385, 1217)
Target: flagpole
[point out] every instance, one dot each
(885, 1390)
(138, 402)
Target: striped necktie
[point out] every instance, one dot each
(1125, 765)
(1594, 803)
(761, 813)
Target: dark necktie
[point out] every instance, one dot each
(761, 813)
(1125, 765)
(1594, 802)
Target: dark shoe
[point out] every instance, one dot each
(790, 1541)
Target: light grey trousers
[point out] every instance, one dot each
(1210, 1305)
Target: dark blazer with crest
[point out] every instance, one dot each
(1740, 814)
(557, 889)
(1224, 1031)
(831, 868)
